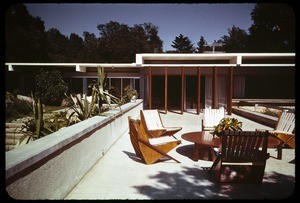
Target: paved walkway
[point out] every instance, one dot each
(121, 175)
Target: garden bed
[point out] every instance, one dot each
(54, 164)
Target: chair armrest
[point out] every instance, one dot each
(171, 130)
(280, 132)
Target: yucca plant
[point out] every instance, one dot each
(102, 90)
(228, 124)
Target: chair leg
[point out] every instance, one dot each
(215, 163)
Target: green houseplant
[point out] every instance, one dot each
(227, 124)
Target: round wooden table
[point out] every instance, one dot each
(203, 139)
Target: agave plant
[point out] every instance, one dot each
(82, 109)
(228, 124)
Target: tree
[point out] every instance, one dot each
(200, 44)
(58, 46)
(182, 44)
(75, 49)
(153, 39)
(273, 28)
(120, 43)
(24, 36)
(236, 41)
(114, 42)
(91, 50)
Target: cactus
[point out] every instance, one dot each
(39, 117)
(56, 125)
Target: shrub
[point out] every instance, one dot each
(129, 93)
(16, 108)
(228, 124)
(51, 87)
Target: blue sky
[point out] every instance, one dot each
(191, 20)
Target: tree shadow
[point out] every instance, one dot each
(195, 183)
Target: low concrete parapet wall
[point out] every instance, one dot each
(267, 120)
(50, 167)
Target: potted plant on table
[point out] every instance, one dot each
(227, 124)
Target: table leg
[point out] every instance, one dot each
(196, 153)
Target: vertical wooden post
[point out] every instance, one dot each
(166, 89)
(198, 90)
(182, 90)
(230, 90)
(214, 88)
(150, 87)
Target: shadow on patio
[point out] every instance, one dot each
(121, 175)
(194, 183)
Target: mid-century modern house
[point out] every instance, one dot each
(178, 81)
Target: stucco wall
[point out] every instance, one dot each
(50, 167)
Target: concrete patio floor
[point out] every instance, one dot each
(120, 175)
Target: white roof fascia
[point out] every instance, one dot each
(188, 65)
(268, 65)
(80, 67)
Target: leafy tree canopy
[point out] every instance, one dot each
(24, 35)
(235, 41)
(120, 43)
(273, 28)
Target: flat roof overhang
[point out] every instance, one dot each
(79, 67)
(226, 56)
(235, 60)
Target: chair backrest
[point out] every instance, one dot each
(286, 122)
(212, 117)
(244, 146)
(152, 119)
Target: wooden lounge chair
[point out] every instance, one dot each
(284, 132)
(212, 117)
(242, 157)
(153, 124)
(148, 149)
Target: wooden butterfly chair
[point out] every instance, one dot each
(133, 133)
(284, 133)
(150, 149)
(211, 118)
(154, 126)
(242, 157)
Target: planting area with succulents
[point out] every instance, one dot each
(49, 108)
